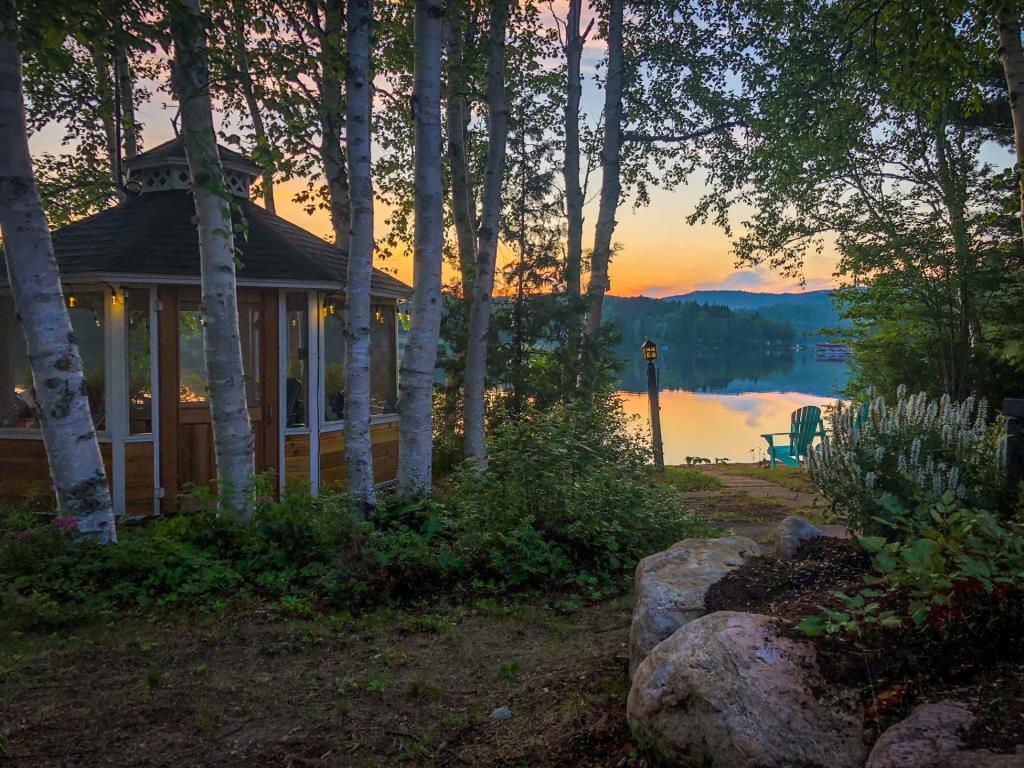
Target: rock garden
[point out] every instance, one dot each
(896, 645)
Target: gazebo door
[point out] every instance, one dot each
(192, 444)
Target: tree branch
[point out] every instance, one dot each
(678, 139)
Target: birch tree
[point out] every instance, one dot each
(359, 100)
(611, 185)
(233, 439)
(490, 221)
(457, 122)
(76, 466)
(1011, 54)
(416, 381)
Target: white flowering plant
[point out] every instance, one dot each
(917, 447)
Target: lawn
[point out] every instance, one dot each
(688, 479)
(788, 477)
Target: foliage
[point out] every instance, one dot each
(566, 505)
(689, 479)
(935, 561)
(916, 444)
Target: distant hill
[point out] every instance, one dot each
(808, 311)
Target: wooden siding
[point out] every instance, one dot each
(296, 459)
(25, 474)
(385, 455)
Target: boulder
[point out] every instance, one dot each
(725, 690)
(931, 738)
(669, 587)
(790, 534)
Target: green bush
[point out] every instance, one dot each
(916, 445)
(940, 562)
(566, 505)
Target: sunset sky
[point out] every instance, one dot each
(661, 255)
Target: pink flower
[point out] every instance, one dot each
(64, 523)
(24, 535)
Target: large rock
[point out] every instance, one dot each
(725, 690)
(669, 587)
(931, 738)
(790, 534)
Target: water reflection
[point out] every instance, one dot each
(718, 405)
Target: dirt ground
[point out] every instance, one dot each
(253, 689)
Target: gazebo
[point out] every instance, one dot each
(131, 284)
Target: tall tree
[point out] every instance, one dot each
(611, 185)
(1011, 54)
(359, 101)
(457, 122)
(574, 41)
(416, 382)
(62, 408)
(233, 439)
(490, 220)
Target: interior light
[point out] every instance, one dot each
(72, 301)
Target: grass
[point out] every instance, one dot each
(688, 479)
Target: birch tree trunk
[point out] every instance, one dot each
(359, 100)
(332, 157)
(611, 187)
(252, 104)
(233, 438)
(126, 88)
(1011, 54)
(416, 382)
(457, 118)
(483, 284)
(62, 408)
(571, 166)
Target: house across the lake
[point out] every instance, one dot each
(131, 284)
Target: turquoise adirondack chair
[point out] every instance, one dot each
(805, 425)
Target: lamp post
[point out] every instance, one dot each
(650, 352)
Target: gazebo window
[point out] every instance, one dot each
(139, 362)
(86, 310)
(296, 360)
(334, 359)
(192, 366)
(383, 374)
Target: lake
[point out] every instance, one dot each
(718, 405)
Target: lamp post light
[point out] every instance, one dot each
(650, 352)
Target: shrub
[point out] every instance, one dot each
(916, 445)
(567, 504)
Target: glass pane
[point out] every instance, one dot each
(296, 360)
(86, 313)
(383, 361)
(191, 363)
(191, 367)
(87, 323)
(15, 375)
(137, 347)
(334, 359)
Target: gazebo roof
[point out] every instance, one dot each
(154, 235)
(173, 151)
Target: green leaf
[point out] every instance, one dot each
(813, 626)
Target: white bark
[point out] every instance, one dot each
(1011, 54)
(331, 118)
(611, 186)
(480, 310)
(76, 466)
(457, 120)
(416, 382)
(233, 438)
(359, 98)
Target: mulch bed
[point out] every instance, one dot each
(971, 650)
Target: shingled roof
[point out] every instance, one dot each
(174, 151)
(154, 235)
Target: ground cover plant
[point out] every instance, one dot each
(567, 505)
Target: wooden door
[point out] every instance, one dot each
(187, 453)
